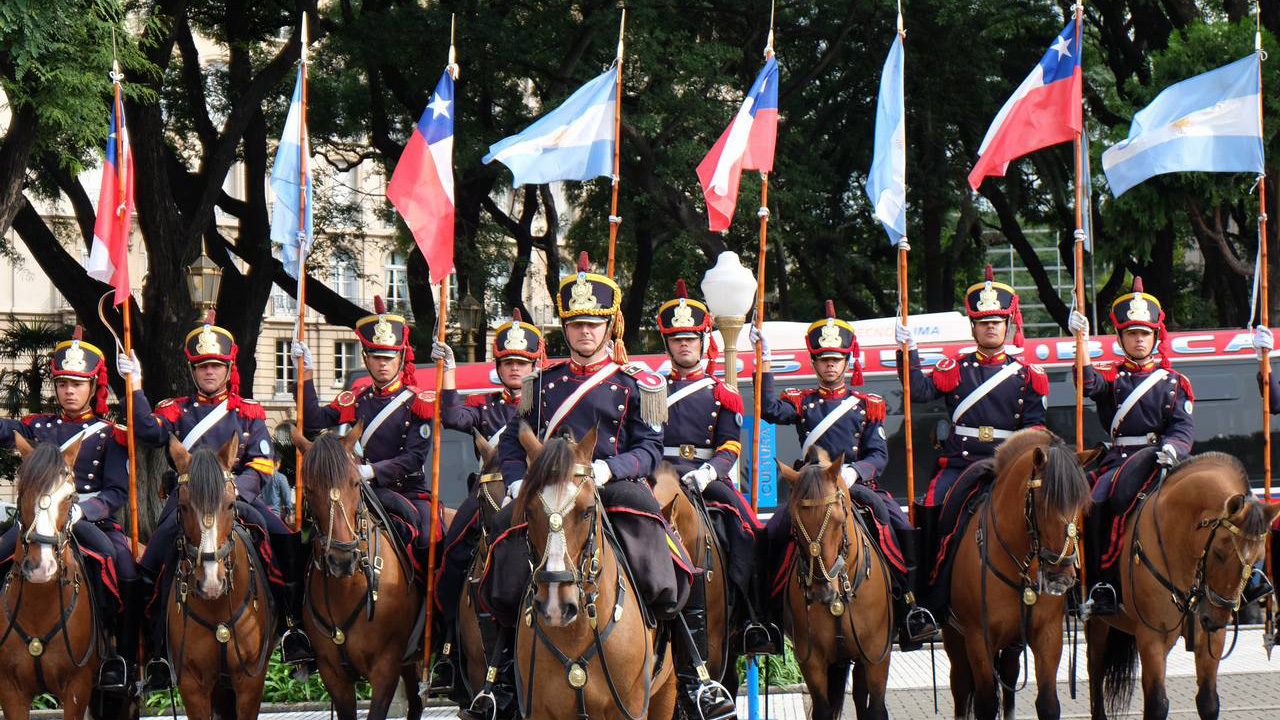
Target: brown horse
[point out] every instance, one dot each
(839, 597)
(1189, 550)
(1012, 568)
(48, 639)
(363, 610)
(582, 645)
(218, 613)
(491, 490)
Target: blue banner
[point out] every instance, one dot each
(768, 466)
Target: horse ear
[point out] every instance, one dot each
(788, 473)
(23, 447)
(586, 447)
(1039, 457)
(71, 453)
(530, 442)
(229, 450)
(1088, 457)
(1233, 504)
(483, 449)
(300, 441)
(820, 455)
(353, 436)
(666, 486)
(1272, 511)
(833, 470)
(177, 451)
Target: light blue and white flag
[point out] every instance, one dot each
(1208, 123)
(887, 180)
(572, 142)
(292, 163)
(1086, 211)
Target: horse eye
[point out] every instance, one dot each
(1219, 556)
(586, 514)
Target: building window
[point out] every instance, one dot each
(346, 355)
(284, 368)
(397, 284)
(342, 277)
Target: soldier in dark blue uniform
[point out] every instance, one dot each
(702, 442)
(209, 418)
(517, 345)
(101, 476)
(845, 423)
(1145, 405)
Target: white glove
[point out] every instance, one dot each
(366, 471)
(1167, 455)
(903, 334)
(299, 349)
(129, 368)
(1078, 323)
(849, 475)
(700, 477)
(1263, 340)
(759, 340)
(443, 354)
(513, 491)
(601, 472)
(76, 515)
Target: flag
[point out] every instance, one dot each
(747, 144)
(887, 180)
(286, 184)
(421, 187)
(1044, 110)
(1086, 210)
(572, 142)
(109, 254)
(1208, 123)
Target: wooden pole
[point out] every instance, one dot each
(758, 321)
(435, 484)
(614, 219)
(303, 148)
(1264, 318)
(904, 312)
(1081, 339)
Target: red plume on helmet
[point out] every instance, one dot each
(681, 290)
(379, 306)
(989, 274)
(831, 309)
(584, 262)
(515, 315)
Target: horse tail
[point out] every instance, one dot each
(1119, 670)
(837, 675)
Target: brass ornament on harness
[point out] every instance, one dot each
(577, 676)
(339, 637)
(35, 647)
(837, 608)
(1029, 596)
(222, 633)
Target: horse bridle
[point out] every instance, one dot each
(359, 529)
(583, 572)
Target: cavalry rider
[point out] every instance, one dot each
(627, 403)
(849, 423)
(396, 435)
(990, 393)
(704, 424)
(517, 345)
(208, 419)
(101, 476)
(1144, 404)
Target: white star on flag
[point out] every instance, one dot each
(1062, 46)
(439, 106)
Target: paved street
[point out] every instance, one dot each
(1249, 686)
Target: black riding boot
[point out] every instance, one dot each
(498, 696)
(291, 557)
(917, 623)
(113, 673)
(928, 543)
(157, 674)
(710, 698)
(1101, 599)
(444, 674)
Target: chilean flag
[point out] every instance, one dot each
(1044, 110)
(421, 187)
(746, 144)
(109, 254)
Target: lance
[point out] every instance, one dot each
(1264, 360)
(303, 148)
(614, 218)
(904, 310)
(1078, 245)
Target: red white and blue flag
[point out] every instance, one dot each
(1044, 110)
(747, 144)
(421, 187)
(109, 254)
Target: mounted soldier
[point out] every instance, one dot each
(628, 405)
(101, 476)
(208, 418)
(517, 346)
(845, 423)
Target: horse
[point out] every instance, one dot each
(1012, 569)
(839, 595)
(1189, 550)
(50, 638)
(218, 612)
(363, 611)
(583, 641)
(491, 491)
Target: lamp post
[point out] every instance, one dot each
(469, 315)
(729, 289)
(204, 278)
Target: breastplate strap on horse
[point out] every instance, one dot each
(1143, 388)
(825, 424)
(571, 402)
(204, 425)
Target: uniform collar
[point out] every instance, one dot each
(86, 414)
(579, 369)
(211, 399)
(984, 359)
(1139, 366)
(393, 386)
(832, 393)
(697, 371)
(509, 396)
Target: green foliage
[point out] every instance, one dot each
(781, 671)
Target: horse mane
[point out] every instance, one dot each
(206, 479)
(1017, 444)
(1231, 464)
(550, 468)
(810, 485)
(327, 463)
(1064, 486)
(41, 470)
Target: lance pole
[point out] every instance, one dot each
(614, 218)
(303, 148)
(1264, 318)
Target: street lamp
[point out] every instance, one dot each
(729, 289)
(470, 313)
(204, 278)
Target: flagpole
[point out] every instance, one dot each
(435, 440)
(1264, 319)
(302, 272)
(758, 370)
(614, 218)
(1079, 257)
(904, 310)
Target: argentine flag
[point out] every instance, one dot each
(1208, 123)
(572, 142)
(887, 180)
(287, 176)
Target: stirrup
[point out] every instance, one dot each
(920, 625)
(295, 647)
(113, 674)
(159, 675)
(1258, 587)
(1102, 601)
(714, 702)
(477, 709)
(758, 639)
(444, 677)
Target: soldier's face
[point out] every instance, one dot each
(989, 334)
(211, 377)
(73, 394)
(512, 372)
(830, 370)
(685, 351)
(1138, 342)
(586, 339)
(383, 368)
